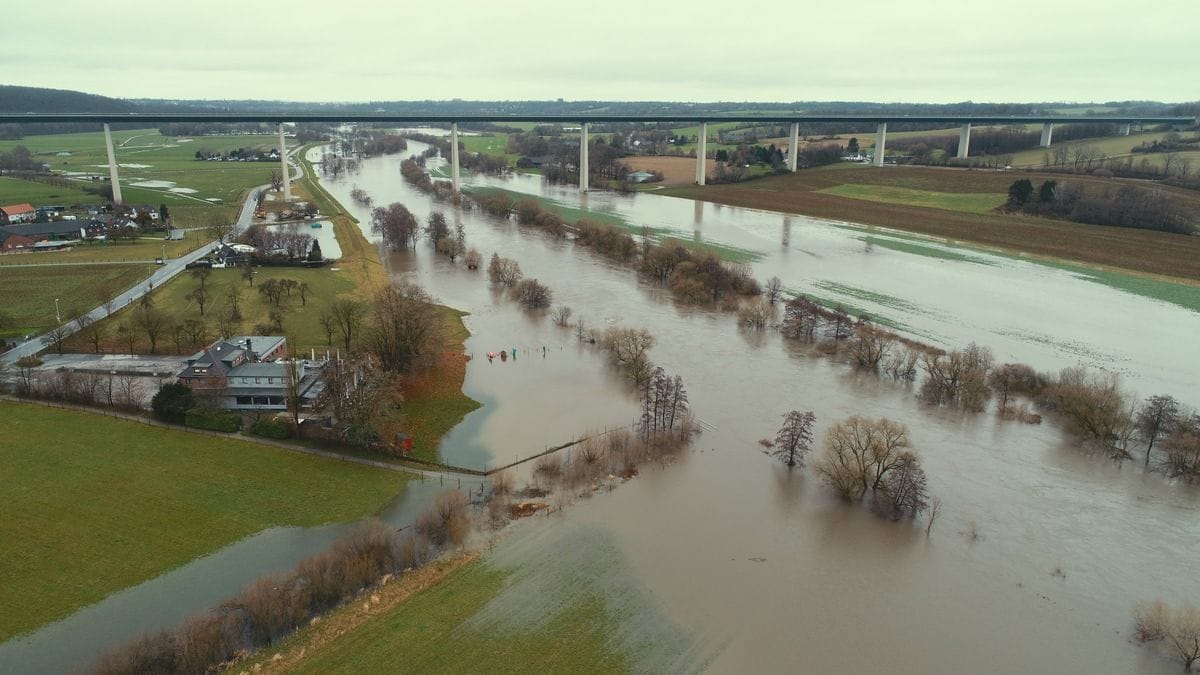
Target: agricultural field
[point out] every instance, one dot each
(948, 203)
(494, 145)
(142, 249)
(18, 191)
(76, 287)
(167, 166)
(83, 520)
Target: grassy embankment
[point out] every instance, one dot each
(658, 235)
(85, 519)
(424, 624)
(433, 400)
(949, 204)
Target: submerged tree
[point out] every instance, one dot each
(1155, 419)
(795, 437)
(902, 492)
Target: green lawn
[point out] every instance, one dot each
(85, 519)
(164, 159)
(495, 145)
(76, 287)
(971, 202)
(116, 250)
(433, 633)
(300, 318)
(18, 191)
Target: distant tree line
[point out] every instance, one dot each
(1127, 206)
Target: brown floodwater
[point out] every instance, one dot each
(729, 560)
(767, 565)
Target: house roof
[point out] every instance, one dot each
(17, 209)
(35, 229)
(5, 234)
(259, 344)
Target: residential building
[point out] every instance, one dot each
(62, 230)
(251, 372)
(17, 213)
(11, 241)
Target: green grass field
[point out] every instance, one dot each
(18, 191)
(300, 323)
(433, 633)
(971, 202)
(76, 287)
(160, 158)
(85, 519)
(494, 145)
(115, 250)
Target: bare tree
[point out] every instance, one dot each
(627, 349)
(935, 509)
(329, 324)
(1095, 408)
(1155, 419)
(56, 337)
(562, 315)
(794, 439)
(870, 346)
(1178, 630)
(107, 295)
(503, 271)
(276, 181)
(293, 377)
(532, 294)
(859, 453)
(349, 315)
(303, 289)
(473, 259)
(756, 314)
(95, 332)
(405, 325)
(153, 323)
(247, 273)
(200, 295)
(397, 225)
(233, 297)
(773, 290)
(902, 493)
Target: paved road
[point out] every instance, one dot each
(162, 275)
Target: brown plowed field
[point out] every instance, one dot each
(675, 170)
(1137, 250)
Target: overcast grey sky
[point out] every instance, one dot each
(357, 50)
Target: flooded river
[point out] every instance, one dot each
(763, 567)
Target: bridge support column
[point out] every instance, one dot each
(455, 181)
(1123, 130)
(1047, 132)
(283, 166)
(112, 167)
(880, 143)
(701, 153)
(964, 141)
(793, 145)
(583, 158)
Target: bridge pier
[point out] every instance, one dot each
(1123, 130)
(455, 182)
(701, 152)
(1047, 133)
(964, 141)
(112, 167)
(283, 166)
(583, 158)
(793, 145)
(880, 143)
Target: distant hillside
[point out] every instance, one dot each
(35, 99)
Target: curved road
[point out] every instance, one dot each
(160, 276)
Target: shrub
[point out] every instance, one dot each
(213, 419)
(269, 427)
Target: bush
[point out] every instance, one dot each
(213, 419)
(172, 403)
(269, 427)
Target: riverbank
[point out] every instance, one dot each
(957, 205)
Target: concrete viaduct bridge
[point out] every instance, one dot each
(584, 120)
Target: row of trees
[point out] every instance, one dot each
(1128, 206)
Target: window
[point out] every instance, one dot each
(245, 400)
(245, 380)
(258, 380)
(276, 400)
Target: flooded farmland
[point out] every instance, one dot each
(1033, 566)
